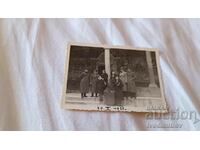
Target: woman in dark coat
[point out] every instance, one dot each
(93, 82)
(109, 93)
(123, 78)
(84, 83)
(118, 88)
(101, 85)
(104, 75)
(131, 88)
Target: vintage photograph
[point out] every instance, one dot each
(113, 78)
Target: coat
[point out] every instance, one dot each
(111, 83)
(84, 83)
(109, 93)
(101, 85)
(105, 77)
(131, 82)
(93, 82)
(123, 77)
(109, 97)
(118, 87)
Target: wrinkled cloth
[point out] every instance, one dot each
(32, 62)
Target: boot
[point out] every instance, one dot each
(92, 94)
(85, 95)
(82, 95)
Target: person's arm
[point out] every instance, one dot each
(121, 84)
(126, 77)
(91, 79)
(81, 76)
(134, 76)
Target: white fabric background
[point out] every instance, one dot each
(32, 57)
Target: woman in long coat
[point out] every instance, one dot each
(123, 78)
(131, 88)
(93, 82)
(118, 87)
(101, 85)
(109, 93)
(84, 84)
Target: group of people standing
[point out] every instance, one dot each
(119, 87)
(123, 85)
(95, 82)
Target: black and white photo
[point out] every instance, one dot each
(113, 78)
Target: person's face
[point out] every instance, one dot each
(117, 78)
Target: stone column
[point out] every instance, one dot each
(107, 62)
(150, 69)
